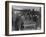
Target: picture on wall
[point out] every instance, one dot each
(24, 18)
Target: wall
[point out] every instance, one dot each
(2, 19)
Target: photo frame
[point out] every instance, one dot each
(24, 18)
